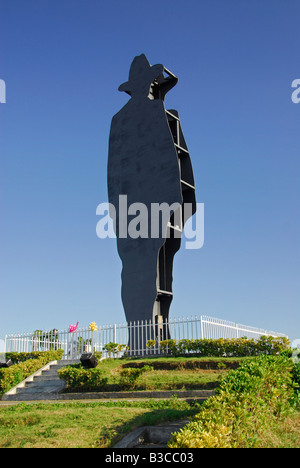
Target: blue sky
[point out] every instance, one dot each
(62, 61)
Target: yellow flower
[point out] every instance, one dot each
(93, 327)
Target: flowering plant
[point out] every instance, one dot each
(93, 327)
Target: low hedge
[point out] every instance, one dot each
(248, 402)
(236, 347)
(16, 358)
(187, 364)
(130, 376)
(296, 375)
(79, 379)
(11, 376)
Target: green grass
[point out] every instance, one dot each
(250, 405)
(101, 424)
(285, 435)
(180, 373)
(83, 424)
(179, 380)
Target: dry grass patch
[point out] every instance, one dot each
(286, 435)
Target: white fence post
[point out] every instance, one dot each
(201, 327)
(115, 333)
(134, 334)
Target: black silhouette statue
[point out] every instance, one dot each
(149, 163)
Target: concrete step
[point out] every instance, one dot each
(45, 390)
(51, 372)
(152, 436)
(42, 386)
(32, 396)
(45, 377)
(67, 362)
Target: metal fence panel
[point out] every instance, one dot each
(134, 334)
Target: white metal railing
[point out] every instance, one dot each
(134, 334)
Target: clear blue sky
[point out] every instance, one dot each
(62, 61)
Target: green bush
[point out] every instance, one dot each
(236, 347)
(98, 355)
(52, 355)
(82, 380)
(114, 348)
(79, 379)
(296, 375)
(129, 376)
(249, 401)
(11, 376)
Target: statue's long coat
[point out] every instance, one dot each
(143, 165)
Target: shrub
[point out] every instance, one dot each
(82, 380)
(236, 347)
(11, 376)
(296, 380)
(170, 346)
(129, 376)
(150, 344)
(114, 348)
(296, 375)
(52, 355)
(98, 355)
(248, 402)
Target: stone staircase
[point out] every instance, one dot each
(152, 436)
(44, 384)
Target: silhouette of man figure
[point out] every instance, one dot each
(143, 164)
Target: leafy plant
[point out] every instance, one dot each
(249, 401)
(129, 376)
(296, 375)
(150, 344)
(11, 376)
(171, 346)
(114, 348)
(79, 379)
(52, 355)
(98, 355)
(221, 347)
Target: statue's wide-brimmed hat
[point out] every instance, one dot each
(141, 73)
